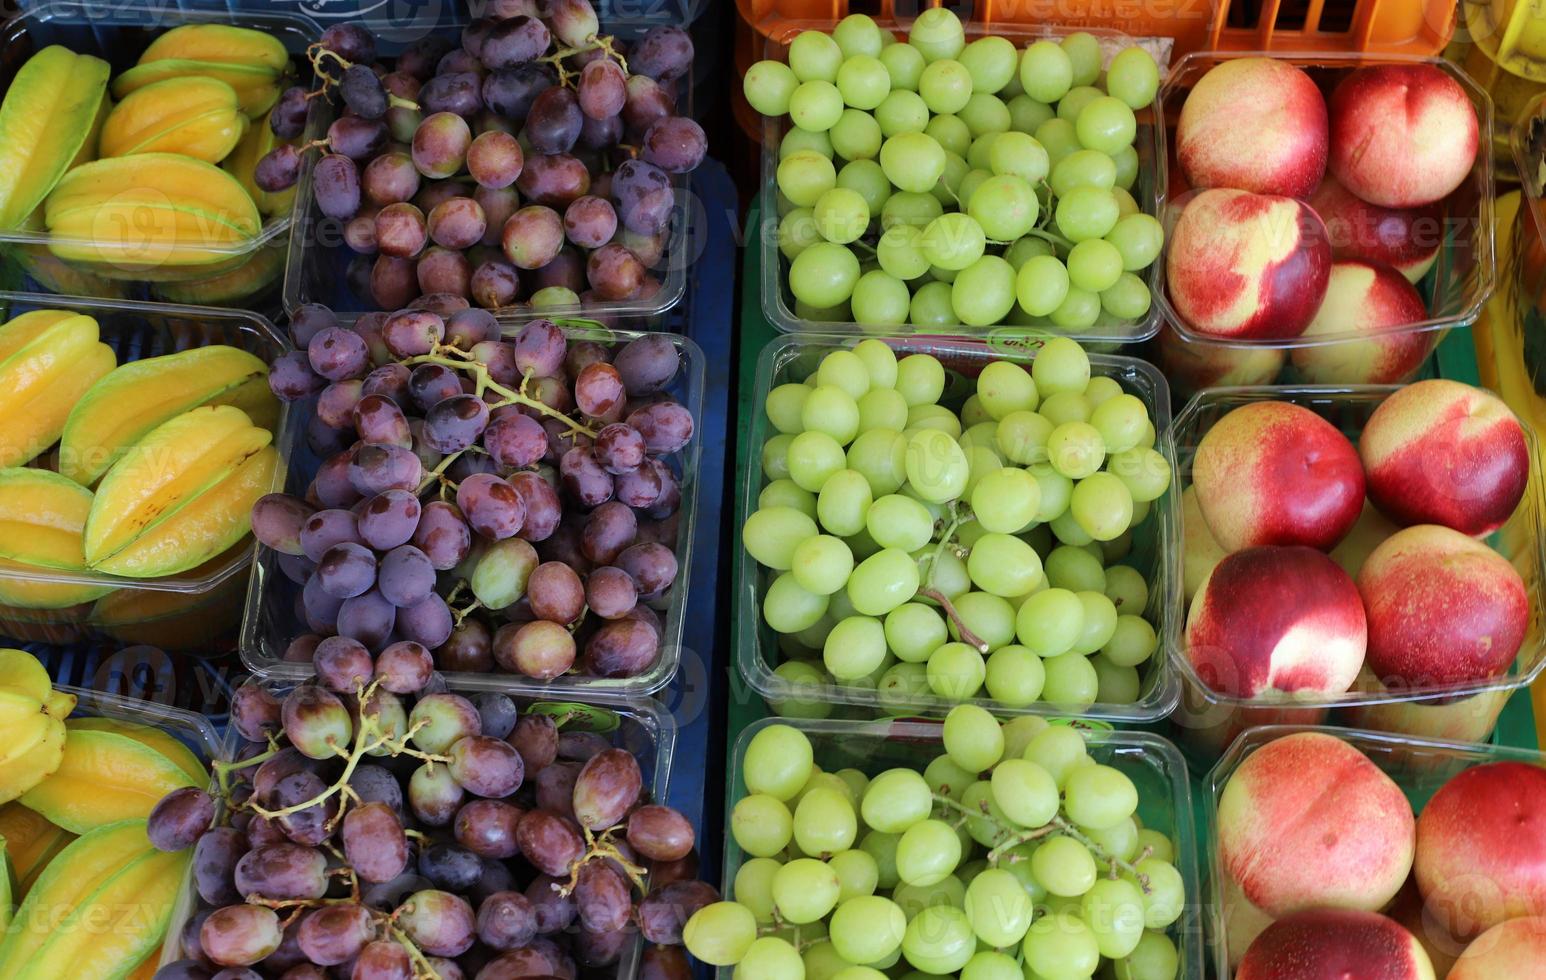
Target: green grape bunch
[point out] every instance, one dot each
(941, 183)
(924, 551)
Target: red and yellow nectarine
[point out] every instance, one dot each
(1255, 124)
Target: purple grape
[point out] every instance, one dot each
(506, 921)
(383, 958)
(584, 479)
(590, 222)
(486, 766)
(406, 576)
(450, 866)
(647, 364)
(325, 529)
(467, 328)
(440, 144)
(601, 134)
(535, 737)
(550, 843)
(342, 664)
(510, 93)
(664, 53)
(648, 101)
(215, 856)
(402, 120)
(279, 872)
(346, 570)
(495, 159)
(319, 608)
(494, 284)
(555, 180)
(350, 42)
(455, 423)
(180, 818)
(404, 667)
(401, 230)
(297, 568)
(427, 622)
(338, 354)
(553, 122)
(638, 488)
(335, 934)
(460, 62)
(609, 529)
(666, 909)
(310, 320)
(644, 196)
(308, 824)
(393, 282)
(442, 270)
(623, 648)
(376, 784)
(598, 389)
(459, 92)
(651, 565)
(410, 333)
(555, 911)
(555, 593)
(389, 519)
(614, 272)
(368, 617)
(666, 426)
(539, 349)
(357, 138)
(583, 353)
(360, 231)
(539, 649)
(379, 421)
(279, 169)
(291, 378)
(603, 89)
(288, 117)
(650, 249)
(675, 144)
(456, 223)
(602, 898)
(443, 535)
(493, 507)
(496, 712)
(514, 42)
(543, 509)
(277, 519)
(430, 384)
(335, 182)
(610, 592)
(532, 237)
(433, 795)
(516, 441)
(420, 58)
(474, 34)
(439, 923)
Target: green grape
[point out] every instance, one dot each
(1146, 472)
(761, 825)
(1015, 676)
(843, 369)
(1059, 138)
(1046, 71)
(1018, 732)
(970, 185)
(815, 106)
(1084, 168)
(825, 823)
(843, 502)
(1155, 958)
(1107, 124)
(882, 582)
(937, 33)
(1006, 501)
(881, 299)
(1022, 437)
(989, 616)
(768, 86)
(1075, 569)
(863, 81)
(1115, 685)
(855, 647)
(914, 631)
(805, 890)
(770, 958)
(980, 153)
(948, 187)
(902, 112)
(857, 874)
(772, 534)
(778, 762)
(1101, 389)
(831, 410)
(822, 961)
(1060, 945)
(931, 306)
(1093, 265)
(867, 929)
(881, 845)
(784, 493)
(956, 671)
(999, 909)
(984, 114)
(1133, 642)
(1086, 212)
(720, 934)
(1059, 750)
(1119, 841)
(1121, 421)
(1025, 792)
(1126, 160)
(775, 456)
(1080, 309)
(1102, 506)
(824, 274)
(820, 780)
(1099, 796)
(821, 564)
(868, 180)
(1076, 449)
(951, 133)
(1063, 407)
(807, 681)
(805, 176)
(1138, 239)
(936, 466)
(1068, 531)
(1049, 622)
(857, 34)
(1019, 154)
(1004, 565)
(904, 63)
(906, 208)
(1157, 845)
(1165, 899)
(981, 430)
(813, 457)
(939, 940)
(936, 417)
(991, 61)
(855, 136)
(946, 86)
(989, 965)
(946, 778)
(1127, 298)
(1083, 52)
(1113, 910)
(895, 521)
(901, 256)
(879, 362)
(784, 404)
(814, 55)
(927, 853)
(1071, 683)
(754, 887)
(985, 290)
(1133, 77)
(953, 241)
(882, 408)
(972, 738)
(1064, 867)
(912, 899)
(1005, 208)
(799, 141)
(1074, 102)
(1026, 114)
(894, 801)
(797, 232)
(1056, 490)
(1041, 285)
(1126, 203)
(902, 685)
(1127, 589)
(913, 161)
(880, 456)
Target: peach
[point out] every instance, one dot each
(1406, 239)
(1409, 910)
(1443, 452)
(1371, 303)
(1370, 531)
(1308, 821)
(1274, 472)
(1242, 265)
(1335, 944)
(1256, 124)
(1276, 621)
(1514, 949)
(1469, 719)
(1401, 135)
(1481, 847)
(1199, 552)
(1443, 609)
(1190, 365)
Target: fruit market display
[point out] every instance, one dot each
(1324, 863)
(396, 829)
(925, 547)
(1310, 218)
(1012, 850)
(83, 892)
(938, 183)
(483, 504)
(1301, 590)
(124, 174)
(534, 165)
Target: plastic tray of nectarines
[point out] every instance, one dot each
(1308, 243)
(1378, 852)
(1428, 613)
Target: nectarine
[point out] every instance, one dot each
(1371, 302)
(1335, 944)
(1199, 552)
(1370, 531)
(1273, 472)
(1513, 950)
(1406, 239)
(1256, 124)
(1191, 365)
(1401, 135)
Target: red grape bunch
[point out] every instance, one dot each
(532, 165)
(482, 504)
(395, 830)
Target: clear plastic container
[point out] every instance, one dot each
(118, 33)
(1207, 721)
(1420, 766)
(757, 650)
(191, 729)
(1153, 764)
(270, 622)
(641, 727)
(189, 610)
(1461, 278)
(778, 303)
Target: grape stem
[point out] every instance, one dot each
(592, 43)
(967, 636)
(422, 968)
(434, 475)
(1048, 236)
(481, 375)
(223, 770)
(602, 849)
